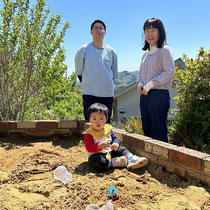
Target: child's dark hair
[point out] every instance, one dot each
(97, 107)
(98, 21)
(155, 23)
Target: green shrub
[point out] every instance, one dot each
(62, 101)
(131, 125)
(192, 123)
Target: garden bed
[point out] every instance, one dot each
(26, 180)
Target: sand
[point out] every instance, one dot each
(27, 182)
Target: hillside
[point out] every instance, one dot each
(125, 78)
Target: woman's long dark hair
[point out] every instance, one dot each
(155, 23)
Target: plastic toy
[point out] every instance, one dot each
(114, 194)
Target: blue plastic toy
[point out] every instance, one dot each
(114, 194)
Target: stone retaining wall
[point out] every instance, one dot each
(186, 163)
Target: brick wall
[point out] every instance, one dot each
(186, 163)
(41, 128)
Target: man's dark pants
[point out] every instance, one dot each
(88, 100)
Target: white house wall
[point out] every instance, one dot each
(128, 103)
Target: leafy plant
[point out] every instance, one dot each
(31, 56)
(132, 125)
(64, 102)
(192, 123)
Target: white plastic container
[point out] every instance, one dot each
(92, 207)
(107, 206)
(62, 174)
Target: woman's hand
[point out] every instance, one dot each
(142, 91)
(145, 92)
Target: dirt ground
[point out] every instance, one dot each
(27, 182)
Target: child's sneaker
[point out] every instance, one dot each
(119, 162)
(136, 162)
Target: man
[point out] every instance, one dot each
(96, 67)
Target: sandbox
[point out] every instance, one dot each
(27, 182)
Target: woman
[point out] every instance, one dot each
(155, 78)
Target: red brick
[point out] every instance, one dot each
(21, 131)
(187, 157)
(205, 179)
(135, 140)
(67, 124)
(12, 124)
(158, 148)
(4, 132)
(62, 131)
(8, 125)
(39, 132)
(155, 147)
(179, 171)
(4, 125)
(81, 124)
(206, 165)
(173, 168)
(163, 163)
(74, 131)
(47, 124)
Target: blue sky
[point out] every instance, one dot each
(186, 22)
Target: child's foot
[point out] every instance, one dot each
(119, 162)
(136, 162)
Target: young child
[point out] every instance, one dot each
(102, 145)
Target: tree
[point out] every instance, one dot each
(31, 55)
(192, 123)
(69, 104)
(61, 101)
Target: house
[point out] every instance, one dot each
(126, 102)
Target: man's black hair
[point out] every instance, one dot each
(98, 21)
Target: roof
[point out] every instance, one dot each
(180, 63)
(129, 87)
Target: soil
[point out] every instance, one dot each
(27, 182)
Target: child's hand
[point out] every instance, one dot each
(103, 145)
(115, 146)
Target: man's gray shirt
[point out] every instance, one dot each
(98, 68)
